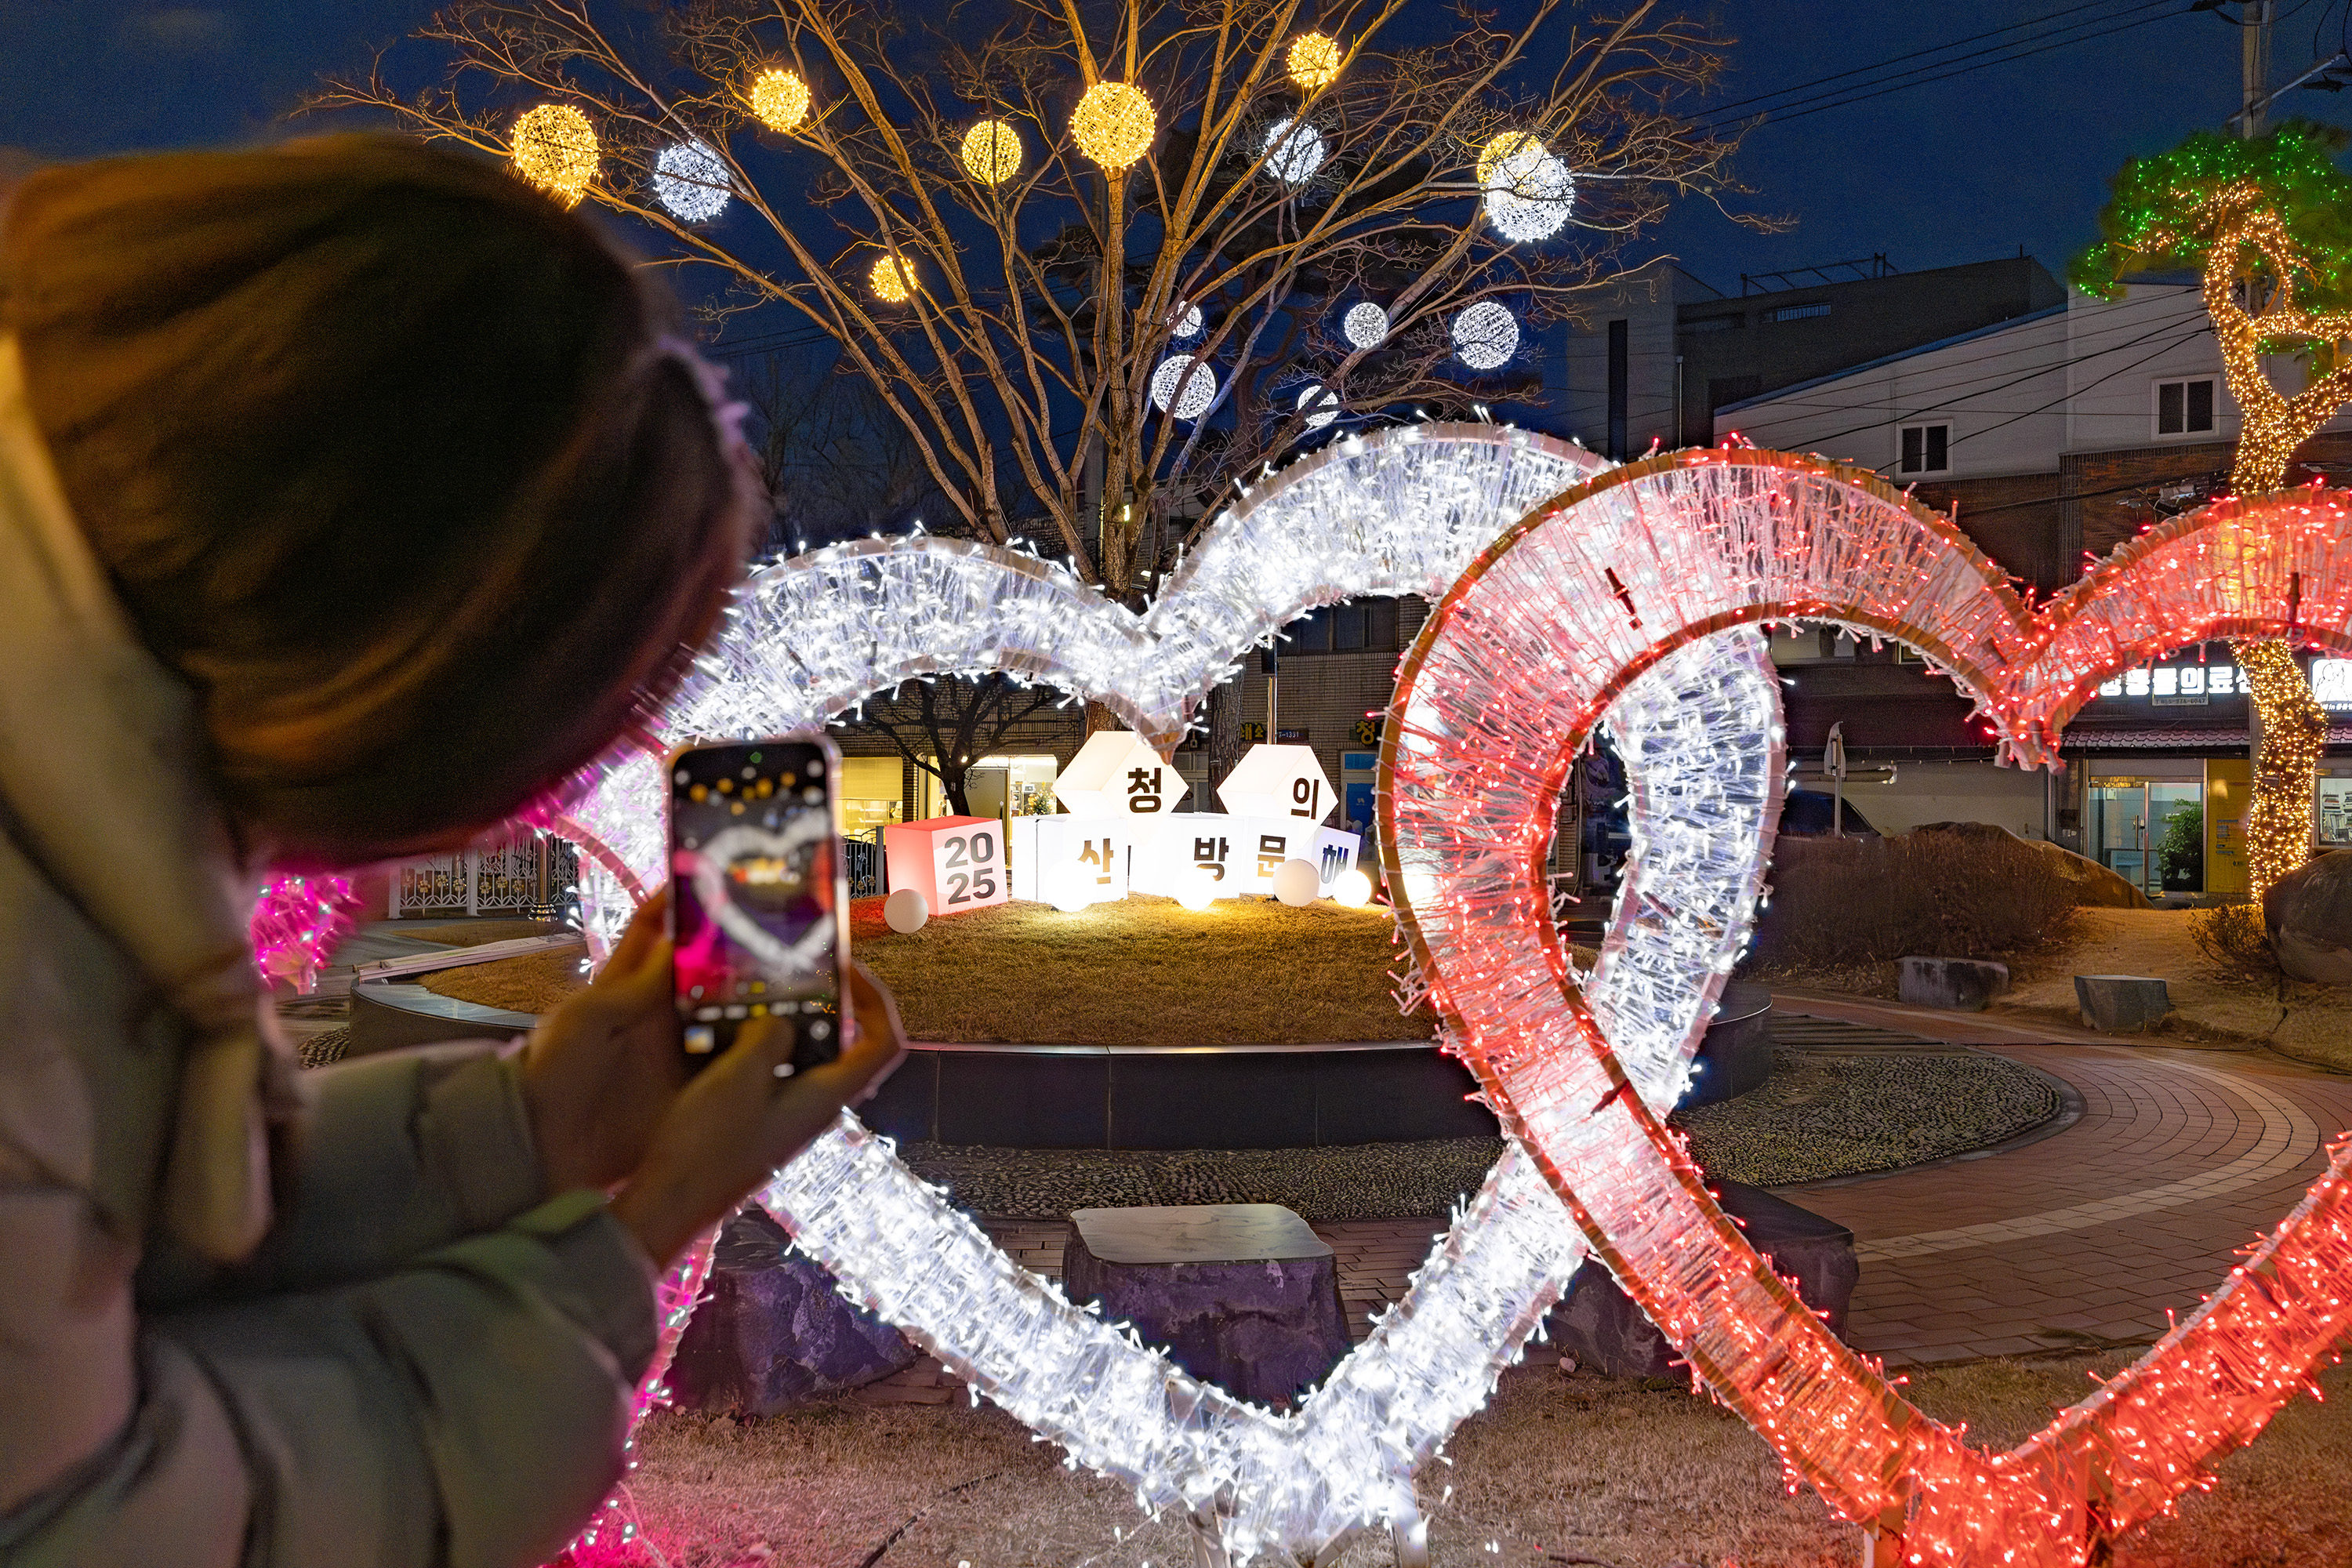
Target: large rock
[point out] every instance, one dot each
(1963, 984)
(1598, 1324)
(1243, 1295)
(2095, 886)
(2121, 1001)
(2309, 914)
(773, 1333)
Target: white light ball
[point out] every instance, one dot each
(690, 180)
(1184, 320)
(1485, 335)
(1529, 192)
(1352, 888)
(1198, 387)
(1319, 404)
(1067, 886)
(1366, 325)
(1293, 152)
(1297, 882)
(1196, 889)
(905, 910)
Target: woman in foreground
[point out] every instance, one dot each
(352, 498)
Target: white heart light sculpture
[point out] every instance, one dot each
(1397, 512)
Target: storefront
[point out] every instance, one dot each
(999, 784)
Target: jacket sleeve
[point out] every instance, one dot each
(468, 1408)
(399, 1154)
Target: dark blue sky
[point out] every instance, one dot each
(1952, 172)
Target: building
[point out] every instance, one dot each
(1659, 351)
(2050, 440)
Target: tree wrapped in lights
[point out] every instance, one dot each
(1131, 158)
(2268, 221)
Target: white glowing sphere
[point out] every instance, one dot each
(1297, 882)
(1485, 335)
(1352, 888)
(1183, 387)
(690, 180)
(1196, 889)
(1367, 325)
(1184, 320)
(905, 910)
(1067, 886)
(1319, 404)
(1529, 193)
(1293, 151)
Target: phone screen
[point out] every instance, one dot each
(758, 894)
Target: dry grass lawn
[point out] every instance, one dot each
(1144, 971)
(1574, 1469)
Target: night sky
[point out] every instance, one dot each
(1951, 171)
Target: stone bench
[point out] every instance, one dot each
(773, 1333)
(1598, 1325)
(1242, 1295)
(2121, 1001)
(1963, 984)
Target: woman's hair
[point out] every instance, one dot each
(392, 459)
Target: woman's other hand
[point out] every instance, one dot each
(600, 1072)
(727, 1130)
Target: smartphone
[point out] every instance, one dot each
(758, 894)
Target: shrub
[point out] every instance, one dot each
(2236, 942)
(1978, 893)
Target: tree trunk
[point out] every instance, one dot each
(1224, 730)
(954, 778)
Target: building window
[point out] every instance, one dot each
(1713, 324)
(2184, 408)
(1926, 449)
(1796, 312)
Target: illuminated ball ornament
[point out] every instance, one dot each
(1485, 335)
(893, 280)
(905, 910)
(1314, 60)
(691, 181)
(992, 152)
(1509, 144)
(1182, 387)
(779, 100)
(1185, 321)
(1529, 192)
(1296, 883)
(1293, 149)
(1366, 325)
(1319, 404)
(1114, 125)
(1351, 890)
(1067, 886)
(1196, 890)
(555, 148)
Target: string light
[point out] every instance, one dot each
(1314, 60)
(893, 280)
(779, 100)
(1485, 335)
(2294, 732)
(992, 152)
(1366, 325)
(1507, 144)
(1182, 387)
(690, 180)
(1293, 151)
(1529, 192)
(295, 925)
(1496, 695)
(1114, 125)
(555, 148)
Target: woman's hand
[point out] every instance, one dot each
(732, 1126)
(599, 1075)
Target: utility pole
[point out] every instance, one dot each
(2254, 43)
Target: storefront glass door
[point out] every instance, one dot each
(2151, 832)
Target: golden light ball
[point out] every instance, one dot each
(1114, 125)
(992, 152)
(779, 100)
(892, 279)
(1314, 60)
(555, 147)
(1499, 149)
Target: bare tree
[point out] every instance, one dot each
(1019, 236)
(838, 463)
(945, 724)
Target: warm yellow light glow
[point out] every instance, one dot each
(1114, 125)
(992, 151)
(1314, 60)
(1508, 144)
(555, 148)
(1351, 888)
(2294, 729)
(1196, 889)
(779, 100)
(893, 280)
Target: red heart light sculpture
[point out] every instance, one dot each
(1502, 688)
